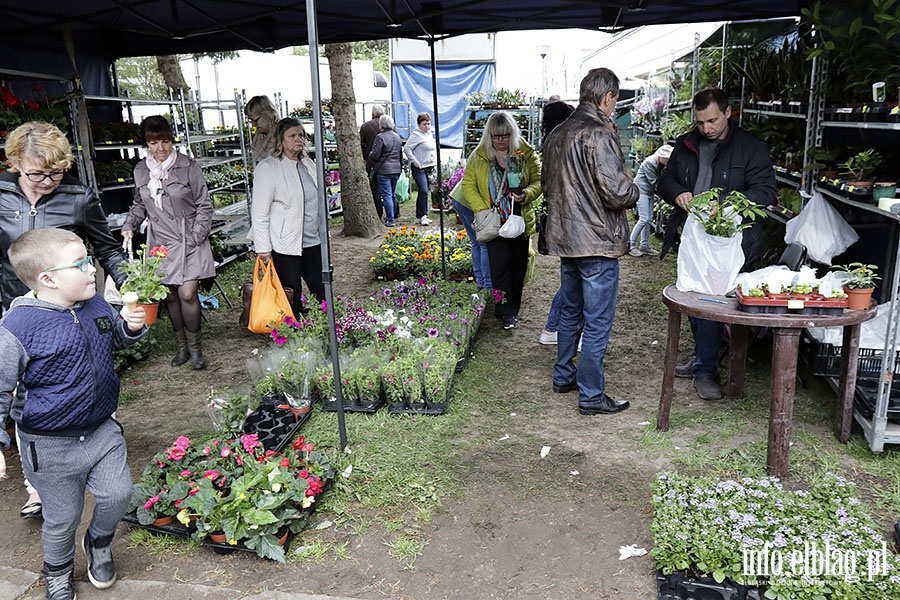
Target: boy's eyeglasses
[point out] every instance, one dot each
(83, 265)
(499, 136)
(38, 177)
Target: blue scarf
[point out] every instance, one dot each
(500, 191)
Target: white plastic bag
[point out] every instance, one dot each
(707, 264)
(513, 227)
(821, 229)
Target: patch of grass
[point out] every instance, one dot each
(157, 544)
(407, 547)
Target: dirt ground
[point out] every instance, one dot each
(561, 543)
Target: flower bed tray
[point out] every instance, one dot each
(275, 426)
(680, 586)
(173, 528)
(799, 304)
(353, 405)
(421, 407)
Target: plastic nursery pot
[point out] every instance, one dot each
(858, 299)
(152, 311)
(160, 521)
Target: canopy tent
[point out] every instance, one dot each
(99, 28)
(152, 27)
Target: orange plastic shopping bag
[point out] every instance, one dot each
(269, 304)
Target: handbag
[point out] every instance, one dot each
(268, 304)
(487, 225)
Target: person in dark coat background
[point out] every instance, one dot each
(555, 112)
(367, 133)
(717, 153)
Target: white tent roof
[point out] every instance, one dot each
(643, 51)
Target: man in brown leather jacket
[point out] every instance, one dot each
(588, 191)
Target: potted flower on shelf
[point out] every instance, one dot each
(144, 279)
(859, 283)
(859, 168)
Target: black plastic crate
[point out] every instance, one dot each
(824, 359)
(867, 394)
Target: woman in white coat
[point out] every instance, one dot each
(285, 212)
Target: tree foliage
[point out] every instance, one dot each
(374, 50)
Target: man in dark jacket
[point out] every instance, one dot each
(717, 154)
(588, 190)
(367, 133)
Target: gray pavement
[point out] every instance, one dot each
(20, 584)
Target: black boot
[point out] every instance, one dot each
(194, 349)
(182, 356)
(60, 585)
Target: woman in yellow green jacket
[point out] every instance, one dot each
(504, 173)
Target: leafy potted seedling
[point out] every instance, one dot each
(724, 214)
(859, 283)
(859, 168)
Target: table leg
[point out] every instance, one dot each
(737, 361)
(843, 419)
(668, 382)
(781, 407)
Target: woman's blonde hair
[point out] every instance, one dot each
(261, 107)
(42, 143)
(499, 123)
(282, 126)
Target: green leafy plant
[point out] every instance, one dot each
(859, 275)
(820, 158)
(676, 124)
(724, 216)
(144, 276)
(721, 528)
(861, 165)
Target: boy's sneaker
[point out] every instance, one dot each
(510, 322)
(548, 338)
(425, 221)
(635, 251)
(59, 582)
(649, 251)
(101, 568)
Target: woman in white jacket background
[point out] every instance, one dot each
(285, 212)
(420, 150)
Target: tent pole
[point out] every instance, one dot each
(437, 143)
(327, 269)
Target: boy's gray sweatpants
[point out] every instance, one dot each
(61, 468)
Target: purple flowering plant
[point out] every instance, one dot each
(711, 527)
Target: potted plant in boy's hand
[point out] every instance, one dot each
(859, 283)
(145, 279)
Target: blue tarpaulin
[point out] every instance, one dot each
(411, 82)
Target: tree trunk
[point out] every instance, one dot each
(170, 69)
(360, 218)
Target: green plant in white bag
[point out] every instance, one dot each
(724, 215)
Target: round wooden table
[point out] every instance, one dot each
(786, 329)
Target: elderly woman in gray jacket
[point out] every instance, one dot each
(384, 161)
(285, 212)
(171, 194)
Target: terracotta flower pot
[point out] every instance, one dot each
(859, 299)
(160, 521)
(218, 537)
(152, 311)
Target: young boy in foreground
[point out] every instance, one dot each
(57, 343)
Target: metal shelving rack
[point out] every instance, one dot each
(531, 133)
